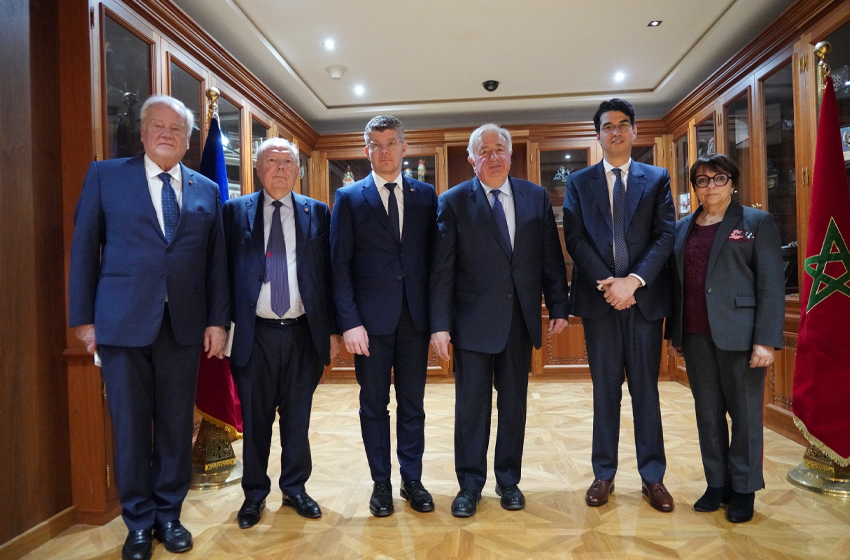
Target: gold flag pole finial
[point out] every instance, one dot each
(821, 50)
(213, 94)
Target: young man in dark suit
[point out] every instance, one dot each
(618, 228)
(381, 235)
(279, 262)
(496, 252)
(148, 289)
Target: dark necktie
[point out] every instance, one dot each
(392, 211)
(621, 250)
(170, 208)
(277, 271)
(501, 219)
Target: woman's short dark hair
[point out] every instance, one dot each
(719, 163)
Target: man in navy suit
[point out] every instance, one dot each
(279, 263)
(381, 235)
(618, 228)
(496, 252)
(148, 288)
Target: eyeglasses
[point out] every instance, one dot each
(702, 181)
(378, 146)
(622, 127)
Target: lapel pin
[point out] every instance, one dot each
(306, 210)
(190, 182)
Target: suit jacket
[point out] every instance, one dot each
(589, 238)
(370, 267)
(243, 226)
(122, 267)
(475, 274)
(744, 283)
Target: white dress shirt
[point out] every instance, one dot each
(611, 178)
(152, 171)
(507, 200)
(287, 218)
(385, 196)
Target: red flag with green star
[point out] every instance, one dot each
(822, 369)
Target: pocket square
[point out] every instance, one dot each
(741, 235)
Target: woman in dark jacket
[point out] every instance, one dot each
(729, 311)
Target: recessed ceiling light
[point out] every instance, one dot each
(654, 23)
(619, 77)
(329, 44)
(567, 156)
(359, 90)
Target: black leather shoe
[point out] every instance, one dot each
(713, 498)
(381, 502)
(250, 513)
(304, 505)
(512, 497)
(174, 536)
(419, 498)
(137, 546)
(466, 503)
(740, 507)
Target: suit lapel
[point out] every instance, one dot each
(599, 190)
(189, 194)
(409, 194)
(254, 213)
(636, 182)
(481, 206)
(730, 220)
(302, 226)
(679, 249)
(373, 199)
(142, 192)
(522, 210)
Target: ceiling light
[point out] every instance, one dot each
(359, 90)
(406, 163)
(619, 77)
(330, 45)
(336, 71)
(567, 156)
(654, 23)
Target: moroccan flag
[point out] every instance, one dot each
(822, 370)
(216, 397)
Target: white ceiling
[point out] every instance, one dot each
(425, 62)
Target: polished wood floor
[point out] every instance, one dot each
(789, 522)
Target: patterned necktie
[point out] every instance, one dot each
(170, 208)
(621, 250)
(392, 211)
(277, 271)
(501, 219)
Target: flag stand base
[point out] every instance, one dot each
(818, 473)
(214, 464)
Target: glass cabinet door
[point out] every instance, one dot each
(644, 154)
(706, 140)
(259, 132)
(188, 88)
(779, 166)
(127, 72)
(230, 120)
(839, 60)
(738, 145)
(682, 195)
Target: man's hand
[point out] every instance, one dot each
(619, 292)
(762, 356)
(557, 325)
(674, 350)
(214, 339)
(86, 334)
(357, 340)
(336, 340)
(440, 343)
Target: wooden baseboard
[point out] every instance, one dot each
(27, 542)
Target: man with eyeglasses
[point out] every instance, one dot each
(381, 235)
(618, 228)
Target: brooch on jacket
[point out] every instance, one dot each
(741, 235)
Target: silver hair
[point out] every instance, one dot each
(475, 137)
(382, 123)
(277, 143)
(173, 103)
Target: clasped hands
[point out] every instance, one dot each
(620, 292)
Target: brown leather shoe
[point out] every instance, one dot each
(597, 494)
(659, 497)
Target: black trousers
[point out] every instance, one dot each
(151, 395)
(476, 375)
(282, 374)
(722, 381)
(626, 345)
(400, 358)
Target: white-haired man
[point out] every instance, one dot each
(148, 289)
(496, 251)
(279, 263)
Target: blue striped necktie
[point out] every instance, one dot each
(170, 208)
(621, 250)
(277, 270)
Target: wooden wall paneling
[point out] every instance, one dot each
(442, 178)
(563, 356)
(33, 402)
